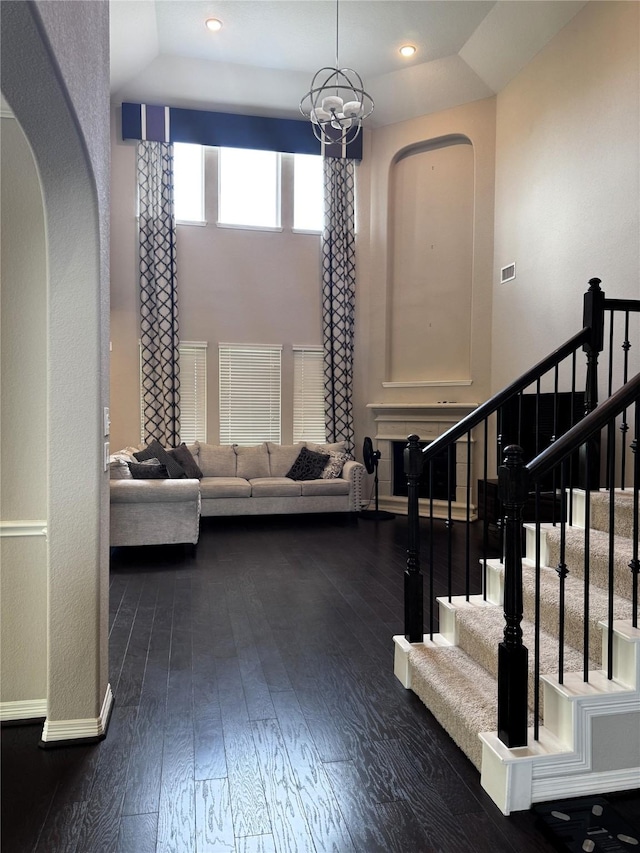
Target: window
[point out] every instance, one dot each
(308, 192)
(249, 188)
(308, 395)
(193, 392)
(249, 393)
(188, 182)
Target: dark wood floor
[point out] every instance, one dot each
(256, 711)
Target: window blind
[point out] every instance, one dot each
(308, 395)
(249, 393)
(193, 391)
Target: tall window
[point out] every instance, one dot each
(193, 392)
(188, 182)
(249, 393)
(308, 192)
(249, 188)
(308, 395)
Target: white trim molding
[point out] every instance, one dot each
(90, 728)
(25, 709)
(23, 528)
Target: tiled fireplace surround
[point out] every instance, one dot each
(395, 422)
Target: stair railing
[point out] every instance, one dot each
(547, 412)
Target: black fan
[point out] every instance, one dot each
(370, 458)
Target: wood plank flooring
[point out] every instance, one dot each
(256, 711)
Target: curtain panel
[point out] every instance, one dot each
(158, 295)
(338, 298)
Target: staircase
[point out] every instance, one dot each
(584, 729)
(538, 678)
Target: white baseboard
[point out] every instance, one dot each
(94, 728)
(27, 709)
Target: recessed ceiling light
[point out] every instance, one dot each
(213, 24)
(407, 50)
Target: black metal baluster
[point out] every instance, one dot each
(610, 371)
(467, 544)
(634, 565)
(593, 319)
(413, 581)
(624, 426)
(536, 637)
(571, 423)
(432, 601)
(553, 438)
(485, 519)
(587, 568)
(611, 460)
(449, 525)
(512, 653)
(562, 572)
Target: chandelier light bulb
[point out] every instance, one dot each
(332, 103)
(353, 109)
(319, 115)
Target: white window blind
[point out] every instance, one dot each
(308, 395)
(249, 393)
(193, 391)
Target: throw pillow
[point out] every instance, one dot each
(308, 466)
(184, 457)
(150, 469)
(157, 451)
(252, 462)
(334, 466)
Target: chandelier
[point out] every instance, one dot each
(336, 103)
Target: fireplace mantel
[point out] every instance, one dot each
(395, 422)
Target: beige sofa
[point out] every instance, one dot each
(235, 481)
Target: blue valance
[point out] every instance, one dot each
(228, 130)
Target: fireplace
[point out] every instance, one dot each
(442, 477)
(394, 423)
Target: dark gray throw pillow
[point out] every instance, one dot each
(151, 469)
(308, 466)
(157, 451)
(184, 457)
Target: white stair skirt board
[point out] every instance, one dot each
(91, 729)
(27, 709)
(401, 668)
(561, 762)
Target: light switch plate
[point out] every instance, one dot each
(106, 421)
(106, 455)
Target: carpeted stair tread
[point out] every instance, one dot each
(598, 556)
(574, 606)
(481, 629)
(623, 518)
(460, 694)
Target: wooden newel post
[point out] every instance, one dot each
(592, 319)
(413, 580)
(512, 654)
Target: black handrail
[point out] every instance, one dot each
(494, 403)
(584, 429)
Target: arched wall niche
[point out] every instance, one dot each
(430, 272)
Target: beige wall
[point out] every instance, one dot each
(382, 212)
(60, 97)
(234, 286)
(567, 183)
(23, 468)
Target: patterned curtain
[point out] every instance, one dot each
(158, 295)
(338, 297)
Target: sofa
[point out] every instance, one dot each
(225, 480)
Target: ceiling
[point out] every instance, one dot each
(263, 59)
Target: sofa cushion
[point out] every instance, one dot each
(155, 491)
(150, 469)
(308, 466)
(336, 447)
(252, 461)
(119, 469)
(217, 460)
(155, 450)
(334, 466)
(282, 457)
(185, 458)
(274, 487)
(224, 487)
(324, 487)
